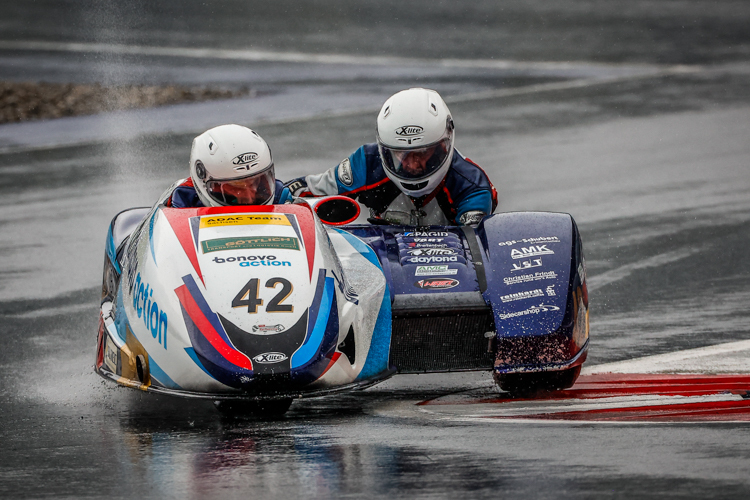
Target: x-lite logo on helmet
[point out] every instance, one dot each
(244, 158)
(409, 130)
(242, 161)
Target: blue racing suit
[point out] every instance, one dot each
(465, 191)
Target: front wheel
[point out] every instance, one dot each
(253, 408)
(527, 384)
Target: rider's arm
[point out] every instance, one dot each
(471, 209)
(181, 194)
(473, 193)
(347, 176)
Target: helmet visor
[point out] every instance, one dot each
(254, 189)
(415, 163)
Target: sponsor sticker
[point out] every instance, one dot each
(541, 239)
(244, 220)
(345, 172)
(541, 308)
(267, 329)
(526, 278)
(427, 234)
(219, 244)
(429, 240)
(243, 162)
(244, 158)
(426, 245)
(111, 353)
(430, 260)
(146, 307)
(434, 271)
(528, 294)
(253, 261)
(427, 252)
(437, 283)
(409, 130)
(531, 251)
(526, 264)
(270, 357)
(550, 290)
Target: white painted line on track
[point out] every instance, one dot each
(277, 109)
(600, 280)
(732, 357)
(300, 57)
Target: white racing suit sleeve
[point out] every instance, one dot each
(323, 184)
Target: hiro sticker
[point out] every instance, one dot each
(437, 283)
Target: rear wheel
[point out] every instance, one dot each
(253, 408)
(525, 384)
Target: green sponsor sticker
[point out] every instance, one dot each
(218, 244)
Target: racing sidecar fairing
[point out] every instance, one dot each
(261, 302)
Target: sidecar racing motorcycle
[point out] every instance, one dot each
(265, 304)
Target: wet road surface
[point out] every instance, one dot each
(654, 170)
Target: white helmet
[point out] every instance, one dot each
(415, 139)
(232, 165)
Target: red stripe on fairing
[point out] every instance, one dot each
(179, 219)
(334, 358)
(209, 332)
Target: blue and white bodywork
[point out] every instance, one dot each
(268, 302)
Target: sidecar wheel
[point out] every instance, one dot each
(253, 408)
(527, 384)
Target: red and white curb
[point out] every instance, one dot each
(615, 397)
(650, 389)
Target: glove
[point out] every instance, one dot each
(471, 218)
(293, 189)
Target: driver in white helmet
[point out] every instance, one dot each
(413, 175)
(229, 165)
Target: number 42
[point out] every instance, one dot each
(248, 296)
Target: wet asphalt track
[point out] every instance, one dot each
(655, 169)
